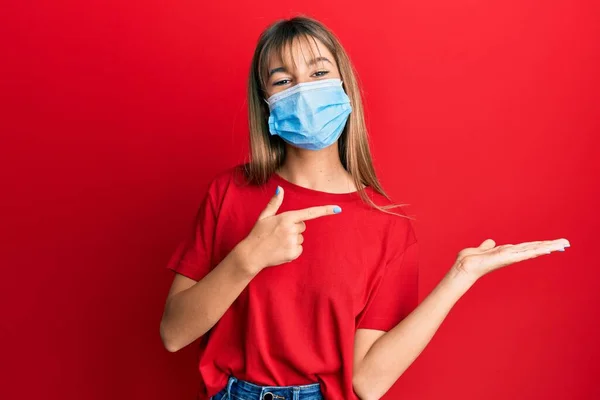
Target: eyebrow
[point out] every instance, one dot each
(310, 63)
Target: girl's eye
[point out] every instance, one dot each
(286, 81)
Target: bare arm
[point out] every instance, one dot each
(394, 351)
(192, 308)
(377, 368)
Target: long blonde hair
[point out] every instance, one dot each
(267, 152)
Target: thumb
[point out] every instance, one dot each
(273, 205)
(487, 244)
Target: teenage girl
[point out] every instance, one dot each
(300, 276)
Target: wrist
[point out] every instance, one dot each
(460, 278)
(244, 258)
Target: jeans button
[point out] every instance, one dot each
(268, 396)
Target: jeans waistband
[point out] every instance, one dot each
(238, 389)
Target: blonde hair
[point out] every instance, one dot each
(267, 152)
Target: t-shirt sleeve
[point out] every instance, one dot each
(397, 293)
(193, 256)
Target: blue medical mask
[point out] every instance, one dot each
(310, 115)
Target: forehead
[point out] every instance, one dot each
(297, 53)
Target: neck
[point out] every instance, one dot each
(317, 169)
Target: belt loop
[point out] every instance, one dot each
(295, 393)
(230, 382)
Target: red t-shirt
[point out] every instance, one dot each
(294, 323)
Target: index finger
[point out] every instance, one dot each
(312, 212)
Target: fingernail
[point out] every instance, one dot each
(561, 249)
(337, 210)
(277, 190)
(567, 245)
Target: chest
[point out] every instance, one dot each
(341, 254)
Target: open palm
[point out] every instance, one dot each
(478, 261)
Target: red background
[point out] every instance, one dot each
(115, 115)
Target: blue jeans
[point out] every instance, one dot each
(237, 389)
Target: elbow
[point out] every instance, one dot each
(169, 342)
(363, 390)
(173, 338)
(171, 347)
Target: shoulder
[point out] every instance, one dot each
(404, 228)
(397, 218)
(399, 214)
(221, 181)
(232, 184)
